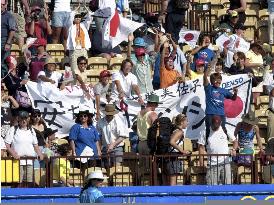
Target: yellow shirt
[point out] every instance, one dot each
(195, 75)
(254, 58)
(83, 75)
(61, 168)
(142, 126)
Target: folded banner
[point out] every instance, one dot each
(58, 106)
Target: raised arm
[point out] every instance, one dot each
(130, 40)
(206, 74)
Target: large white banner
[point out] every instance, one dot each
(58, 107)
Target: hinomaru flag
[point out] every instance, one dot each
(189, 37)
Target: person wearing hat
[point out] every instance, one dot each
(39, 27)
(112, 131)
(145, 119)
(142, 65)
(84, 140)
(21, 141)
(228, 26)
(90, 192)
(49, 74)
(37, 60)
(78, 42)
(102, 91)
(200, 67)
(218, 167)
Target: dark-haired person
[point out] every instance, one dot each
(215, 96)
(240, 7)
(124, 82)
(90, 192)
(83, 136)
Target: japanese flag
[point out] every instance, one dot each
(222, 41)
(189, 37)
(116, 29)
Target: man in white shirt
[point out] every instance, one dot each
(218, 167)
(49, 74)
(112, 131)
(124, 82)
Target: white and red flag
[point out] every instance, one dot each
(189, 37)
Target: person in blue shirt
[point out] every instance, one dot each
(90, 192)
(203, 52)
(84, 141)
(215, 96)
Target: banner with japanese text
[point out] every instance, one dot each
(59, 107)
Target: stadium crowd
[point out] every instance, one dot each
(153, 59)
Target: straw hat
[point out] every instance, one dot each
(250, 118)
(110, 110)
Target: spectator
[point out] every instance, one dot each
(174, 165)
(203, 51)
(84, 141)
(112, 131)
(269, 150)
(240, 7)
(39, 28)
(215, 97)
(61, 167)
(219, 67)
(270, 118)
(78, 39)
(90, 192)
(271, 21)
(268, 54)
(102, 91)
(3, 148)
(123, 7)
(268, 82)
(7, 103)
(49, 74)
(142, 67)
(218, 167)
(124, 82)
(168, 76)
(51, 147)
(37, 60)
(133, 138)
(200, 67)
(21, 141)
(60, 20)
(80, 74)
(8, 28)
(228, 26)
(245, 132)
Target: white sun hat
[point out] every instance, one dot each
(98, 174)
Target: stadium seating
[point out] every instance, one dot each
(115, 63)
(97, 63)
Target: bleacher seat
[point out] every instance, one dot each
(97, 63)
(93, 75)
(263, 14)
(115, 63)
(56, 51)
(121, 176)
(15, 50)
(262, 116)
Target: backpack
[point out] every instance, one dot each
(181, 4)
(159, 136)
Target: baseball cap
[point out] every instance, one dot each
(105, 73)
(139, 42)
(40, 42)
(199, 62)
(234, 14)
(140, 51)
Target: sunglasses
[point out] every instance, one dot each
(36, 115)
(83, 115)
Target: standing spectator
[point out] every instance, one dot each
(112, 131)
(268, 82)
(102, 91)
(142, 67)
(174, 165)
(78, 39)
(269, 150)
(271, 21)
(51, 147)
(83, 136)
(133, 138)
(39, 28)
(37, 61)
(90, 192)
(270, 118)
(240, 7)
(124, 82)
(60, 20)
(8, 28)
(218, 167)
(21, 141)
(215, 96)
(80, 74)
(49, 74)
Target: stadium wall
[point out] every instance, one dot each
(155, 194)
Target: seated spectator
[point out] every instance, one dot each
(39, 28)
(268, 82)
(112, 131)
(124, 82)
(219, 67)
(245, 132)
(142, 67)
(218, 167)
(102, 91)
(37, 61)
(269, 151)
(49, 74)
(51, 147)
(268, 54)
(61, 167)
(270, 118)
(84, 141)
(228, 26)
(174, 165)
(21, 141)
(78, 39)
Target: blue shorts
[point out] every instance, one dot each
(60, 19)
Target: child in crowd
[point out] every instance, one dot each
(215, 96)
(61, 167)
